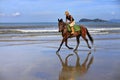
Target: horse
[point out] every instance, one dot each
(66, 34)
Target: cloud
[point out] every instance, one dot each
(16, 14)
(2, 14)
(10, 15)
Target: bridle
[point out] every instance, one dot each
(61, 25)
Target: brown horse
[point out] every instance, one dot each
(65, 34)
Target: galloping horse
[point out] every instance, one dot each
(65, 34)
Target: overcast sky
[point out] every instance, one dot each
(51, 10)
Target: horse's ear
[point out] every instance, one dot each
(61, 20)
(58, 19)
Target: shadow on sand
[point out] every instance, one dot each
(69, 72)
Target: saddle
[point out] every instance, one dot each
(76, 28)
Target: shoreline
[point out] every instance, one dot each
(35, 58)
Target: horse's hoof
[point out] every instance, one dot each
(71, 48)
(89, 47)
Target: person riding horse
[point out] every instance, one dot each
(83, 32)
(71, 21)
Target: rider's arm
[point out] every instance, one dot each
(70, 19)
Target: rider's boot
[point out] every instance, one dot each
(72, 28)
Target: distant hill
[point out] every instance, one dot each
(92, 20)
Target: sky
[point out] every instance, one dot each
(51, 10)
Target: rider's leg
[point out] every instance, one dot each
(72, 27)
(72, 30)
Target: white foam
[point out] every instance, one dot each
(102, 29)
(26, 31)
(91, 30)
(55, 30)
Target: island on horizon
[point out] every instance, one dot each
(92, 20)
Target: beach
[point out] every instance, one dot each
(30, 54)
(34, 44)
(35, 58)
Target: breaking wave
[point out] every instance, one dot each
(91, 30)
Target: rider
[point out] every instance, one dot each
(71, 21)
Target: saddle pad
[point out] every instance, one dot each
(76, 28)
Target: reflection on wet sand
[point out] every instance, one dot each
(69, 72)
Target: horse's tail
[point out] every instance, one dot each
(90, 37)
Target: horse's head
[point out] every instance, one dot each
(61, 25)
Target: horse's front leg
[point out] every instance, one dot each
(63, 40)
(78, 42)
(66, 41)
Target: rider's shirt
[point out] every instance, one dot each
(69, 18)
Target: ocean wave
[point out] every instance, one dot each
(102, 29)
(91, 30)
(26, 31)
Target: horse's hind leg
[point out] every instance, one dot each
(83, 34)
(66, 41)
(87, 42)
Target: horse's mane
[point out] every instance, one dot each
(61, 20)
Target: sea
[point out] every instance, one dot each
(51, 28)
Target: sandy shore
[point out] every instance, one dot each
(35, 58)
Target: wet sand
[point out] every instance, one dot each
(35, 58)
